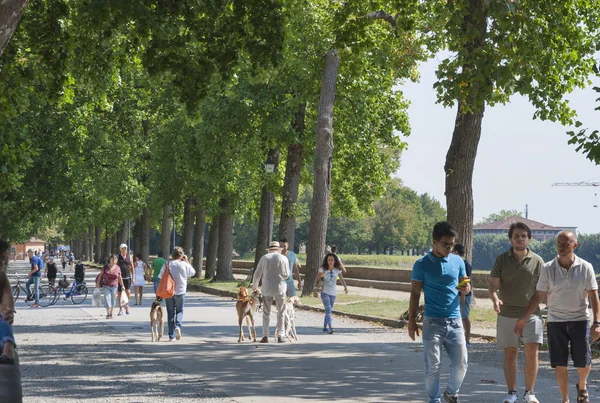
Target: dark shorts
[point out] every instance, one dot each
(577, 335)
(51, 280)
(126, 283)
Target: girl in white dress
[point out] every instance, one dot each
(139, 280)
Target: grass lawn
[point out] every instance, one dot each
(383, 261)
(483, 315)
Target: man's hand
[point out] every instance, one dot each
(497, 305)
(299, 285)
(412, 329)
(519, 326)
(595, 332)
(315, 293)
(8, 313)
(466, 289)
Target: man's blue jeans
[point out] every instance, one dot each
(174, 313)
(156, 282)
(36, 281)
(449, 333)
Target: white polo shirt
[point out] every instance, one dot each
(567, 289)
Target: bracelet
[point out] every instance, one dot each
(596, 324)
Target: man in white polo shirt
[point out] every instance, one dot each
(566, 284)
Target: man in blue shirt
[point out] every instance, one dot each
(34, 277)
(294, 268)
(438, 274)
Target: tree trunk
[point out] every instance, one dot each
(460, 161)
(99, 249)
(213, 244)
(90, 251)
(11, 12)
(199, 242)
(144, 234)
(115, 244)
(188, 225)
(137, 235)
(86, 246)
(165, 234)
(107, 248)
(322, 178)
(225, 250)
(291, 184)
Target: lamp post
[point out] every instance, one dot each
(269, 169)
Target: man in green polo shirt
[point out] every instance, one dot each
(513, 280)
(157, 264)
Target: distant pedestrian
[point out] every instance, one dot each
(512, 282)
(294, 268)
(34, 277)
(139, 278)
(438, 275)
(273, 269)
(567, 283)
(157, 264)
(329, 271)
(110, 279)
(50, 272)
(180, 269)
(64, 260)
(125, 263)
(465, 300)
(71, 261)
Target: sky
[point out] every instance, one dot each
(518, 159)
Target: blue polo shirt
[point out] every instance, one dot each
(440, 278)
(35, 260)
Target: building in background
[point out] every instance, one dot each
(540, 231)
(19, 251)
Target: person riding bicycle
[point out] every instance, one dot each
(79, 272)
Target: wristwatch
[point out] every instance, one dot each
(596, 324)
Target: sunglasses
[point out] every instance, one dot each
(447, 246)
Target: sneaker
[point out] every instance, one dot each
(177, 333)
(35, 306)
(120, 313)
(450, 399)
(511, 397)
(280, 340)
(265, 339)
(331, 331)
(325, 330)
(28, 299)
(529, 397)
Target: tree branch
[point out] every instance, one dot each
(382, 15)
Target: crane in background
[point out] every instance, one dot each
(584, 183)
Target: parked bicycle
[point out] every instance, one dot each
(76, 291)
(46, 294)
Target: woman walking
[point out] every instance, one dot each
(329, 272)
(180, 269)
(125, 263)
(139, 280)
(109, 279)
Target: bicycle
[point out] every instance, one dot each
(77, 292)
(46, 294)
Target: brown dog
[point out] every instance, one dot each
(245, 306)
(157, 324)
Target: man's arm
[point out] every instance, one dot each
(297, 273)
(7, 306)
(258, 272)
(343, 283)
(534, 303)
(415, 296)
(595, 330)
(493, 287)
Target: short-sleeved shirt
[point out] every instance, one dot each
(330, 280)
(51, 267)
(293, 259)
(36, 261)
(517, 281)
(125, 264)
(440, 276)
(157, 264)
(110, 276)
(567, 289)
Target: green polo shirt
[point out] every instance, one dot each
(517, 281)
(157, 264)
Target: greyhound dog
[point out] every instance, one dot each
(157, 324)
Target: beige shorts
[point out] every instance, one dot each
(506, 336)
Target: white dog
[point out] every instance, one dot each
(289, 318)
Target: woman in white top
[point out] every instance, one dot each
(139, 281)
(180, 269)
(329, 272)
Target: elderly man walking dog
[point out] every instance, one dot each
(273, 270)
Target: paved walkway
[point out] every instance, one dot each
(360, 363)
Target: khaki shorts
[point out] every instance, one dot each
(506, 336)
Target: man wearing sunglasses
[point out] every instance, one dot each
(512, 283)
(438, 274)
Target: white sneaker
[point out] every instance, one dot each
(177, 333)
(511, 398)
(529, 397)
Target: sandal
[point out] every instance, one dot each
(107, 316)
(582, 394)
(6, 360)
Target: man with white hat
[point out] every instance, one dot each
(273, 270)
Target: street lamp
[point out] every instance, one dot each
(269, 169)
(270, 164)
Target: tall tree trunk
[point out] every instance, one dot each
(115, 243)
(291, 184)
(107, 247)
(165, 235)
(317, 231)
(11, 12)
(125, 234)
(199, 242)
(99, 255)
(263, 231)
(460, 161)
(225, 250)
(137, 235)
(85, 247)
(90, 251)
(144, 234)
(188, 225)
(213, 245)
